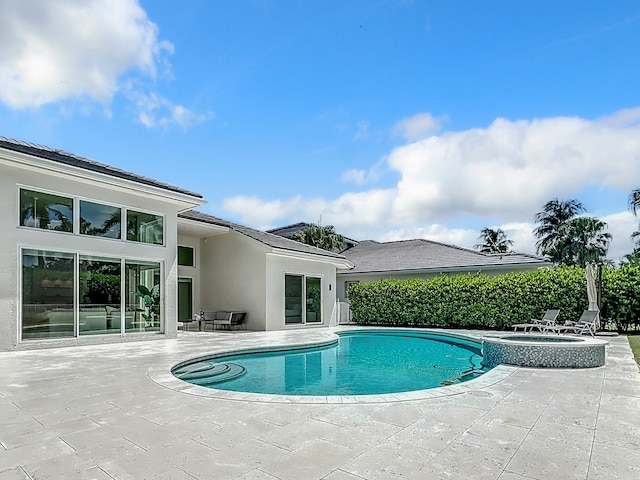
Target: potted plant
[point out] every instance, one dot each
(151, 299)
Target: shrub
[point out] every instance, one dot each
(479, 301)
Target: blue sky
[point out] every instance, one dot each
(388, 119)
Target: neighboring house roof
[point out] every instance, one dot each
(266, 238)
(65, 158)
(370, 257)
(289, 230)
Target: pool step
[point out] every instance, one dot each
(207, 374)
(468, 375)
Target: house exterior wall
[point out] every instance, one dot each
(192, 272)
(232, 277)
(280, 265)
(15, 237)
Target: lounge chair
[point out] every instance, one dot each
(549, 319)
(585, 324)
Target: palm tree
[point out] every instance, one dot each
(319, 236)
(632, 258)
(493, 241)
(634, 206)
(580, 241)
(634, 201)
(554, 215)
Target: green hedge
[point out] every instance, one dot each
(479, 301)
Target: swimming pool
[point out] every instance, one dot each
(358, 363)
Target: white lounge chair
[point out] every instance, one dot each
(549, 319)
(585, 324)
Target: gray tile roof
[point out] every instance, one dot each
(266, 238)
(418, 255)
(81, 162)
(289, 230)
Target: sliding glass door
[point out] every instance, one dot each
(302, 299)
(47, 294)
(142, 284)
(68, 295)
(100, 285)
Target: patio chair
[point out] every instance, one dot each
(585, 324)
(549, 319)
(229, 320)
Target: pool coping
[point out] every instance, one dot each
(161, 374)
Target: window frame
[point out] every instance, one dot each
(105, 204)
(193, 256)
(44, 191)
(304, 299)
(145, 212)
(77, 254)
(76, 200)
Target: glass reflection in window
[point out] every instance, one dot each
(142, 284)
(144, 227)
(292, 299)
(99, 220)
(314, 299)
(46, 211)
(99, 295)
(47, 294)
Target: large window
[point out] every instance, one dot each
(66, 295)
(46, 211)
(142, 284)
(100, 220)
(100, 288)
(47, 294)
(145, 227)
(302, 299)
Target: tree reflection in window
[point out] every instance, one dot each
(46, 211)
(100, 220)
(145, 227)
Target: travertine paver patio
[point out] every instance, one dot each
(95, 412)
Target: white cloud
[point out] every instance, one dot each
(437, 232)
(74, 50)
(267, 214)
(358, 177)
(420, 126)
(505, 171)
(157, 111)
(361, 176)
(511, 168)
(621, 225)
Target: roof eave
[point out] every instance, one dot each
(339, 263)
(470, 268)
(35, 163)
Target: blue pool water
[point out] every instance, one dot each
(358, 364)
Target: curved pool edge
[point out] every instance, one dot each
(161, 374)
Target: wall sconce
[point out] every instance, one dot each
(329, 287)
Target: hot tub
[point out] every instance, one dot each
(555, 351)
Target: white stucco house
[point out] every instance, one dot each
(90, 253)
